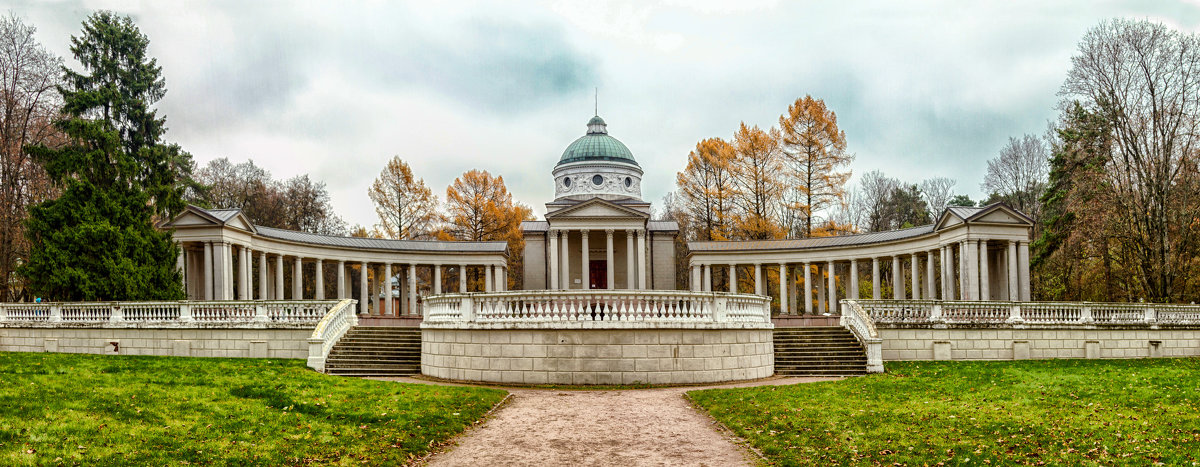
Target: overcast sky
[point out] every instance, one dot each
(335, 89)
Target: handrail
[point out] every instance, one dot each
(859, 323)
(329, 330)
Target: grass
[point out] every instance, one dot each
(109, 410)
(1124, 412)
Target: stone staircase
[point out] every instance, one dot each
(376, 351)
(818, 351)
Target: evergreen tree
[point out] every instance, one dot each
(97, 241)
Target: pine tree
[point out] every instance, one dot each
(97, 241)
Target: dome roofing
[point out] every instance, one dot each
(597, 145)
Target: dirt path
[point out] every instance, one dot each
(601, 428)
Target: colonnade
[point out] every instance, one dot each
(966, 270)
(211, 272)
(564, 243)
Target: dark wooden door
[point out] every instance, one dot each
(598, 274)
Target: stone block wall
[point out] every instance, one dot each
(597, 356)
(180, 342)
(1017, 344)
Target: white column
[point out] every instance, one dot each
(208, 271)
(696, 284)
(708, 278)
(341, 280)
(487, 278)
(262, 275)
(1023, 269)
(808, 288)
(611, 277)
(964, 273)
(462, 278)
(503, 278)
(972, 270)
(181, 266)
(916, 277)
(279, 277)
(821, 289)
(945, 264)
(758, 285)
(951, 276)
(1014, 280)
(565, 281)
(585, 263)
(733, 279)
(630, 271)
(298, 280)
(363, 299)
(437, 279)
(783, 288)
(985, 288)
(643, 268)
(388, 307)
(853, 292)
(832, 300)
(552, 283)
(243, 281)
(412, 290)
(897, 279)
(875, 294)
(320, 279)
(930, 293)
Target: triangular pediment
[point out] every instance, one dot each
(194, 216)
(597, 208)
(1000, 213)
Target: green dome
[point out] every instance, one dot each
(596, 145)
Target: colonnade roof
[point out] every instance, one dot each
(195, 217)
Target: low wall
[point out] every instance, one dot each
(175, 341)
(597, 356)
(1002, 342)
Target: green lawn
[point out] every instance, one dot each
(1125, 412)
(108, 410)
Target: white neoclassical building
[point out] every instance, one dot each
(598, 233)
(225, 257)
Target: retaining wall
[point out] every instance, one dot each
(1008, 343)
(179, 342)
(597, 356)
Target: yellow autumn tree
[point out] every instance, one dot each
(480, 208)
(406, 207)
(706, 189)
(756, 168)
(814, 150)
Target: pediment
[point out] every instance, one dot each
(194, 216)
(597, 208)
(192, 219)
(1000, 213)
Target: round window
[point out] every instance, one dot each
(628, 182)
(567, 182)
(597, 180)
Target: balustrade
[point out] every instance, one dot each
(1032, 313)
(169, 313)
(608, 306)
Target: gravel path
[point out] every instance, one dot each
(601, 428)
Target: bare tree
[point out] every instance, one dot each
(871, 200)
(1144, 79)
(29, 75)
(1018, 175)
(937, 192)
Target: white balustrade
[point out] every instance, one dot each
(634, 306)
(333, 325)
(181, 313)
(854, 318)
(900, 312)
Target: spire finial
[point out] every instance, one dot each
(597, 110)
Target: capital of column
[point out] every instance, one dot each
(609, 232)
(641, 232)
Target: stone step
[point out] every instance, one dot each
(364, 372)
(374, 366)
(346, 340)
(366, 357)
